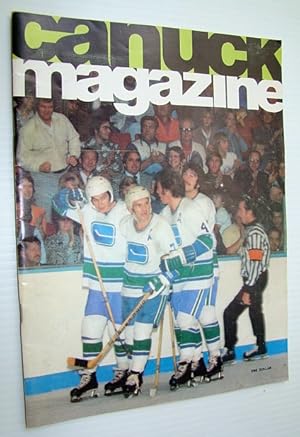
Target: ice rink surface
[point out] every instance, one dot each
(55, 406)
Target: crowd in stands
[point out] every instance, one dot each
(63, 144)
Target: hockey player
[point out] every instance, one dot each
(148, 236)
(255, 256)
(101, 216)
(194, 260)
(211, 329)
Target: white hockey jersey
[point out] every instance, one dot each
(108, 245)
(188, 224)
(144, 251)
(209, 214)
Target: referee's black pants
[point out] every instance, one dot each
(236, 307)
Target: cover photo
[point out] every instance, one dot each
(150, 214)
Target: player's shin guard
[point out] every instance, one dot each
(92, 331)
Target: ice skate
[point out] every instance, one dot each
(133, 384)
(228, 357)
(214, 368)
(258, 353)
(87, 386)
(116, 386)
(182, 376)
(198, 371)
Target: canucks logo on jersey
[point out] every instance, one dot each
(137, 253)
(104, 233)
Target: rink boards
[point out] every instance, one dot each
(52, 303)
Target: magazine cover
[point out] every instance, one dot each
(150, 214)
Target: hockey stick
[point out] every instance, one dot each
(99, 277)
(172, 336)
(153, 390)
(90, 364)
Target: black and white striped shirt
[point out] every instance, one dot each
(255, 253)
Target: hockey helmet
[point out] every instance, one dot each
(135, 193)
(98, 185)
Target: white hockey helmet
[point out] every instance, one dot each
(136, 192)
(98, 185)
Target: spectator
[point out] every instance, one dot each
(79, 118)
(64, 247)
(132, 167)
(268, 132)
(252, 180)
(126, 183)
(214, 180)
(25, 186)
(274, 235)
(69, 180)
(193, 151)
(223, 220)
(86, 167)
(237, 143)
(109, 163)
(47, 144)
(247, 121)
(168, 126)
(276, 194)
(266, 159)
(276, 173)
(24, 111)
(130, 123)
(29, 252)
(277, 206)
(151, 150)
(205, 132)
(277, 221)
(175, 158)
(233, 236)
(24, 229)
(230, 162)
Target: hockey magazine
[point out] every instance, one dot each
(150, 214)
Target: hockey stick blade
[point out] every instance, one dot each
(153, 392)
(76, 362)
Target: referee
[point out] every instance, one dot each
(255, 256)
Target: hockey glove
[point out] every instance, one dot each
(77, 197)
(202, 244)
(173, 261)
(188, 254)
(160, 284)
(67, 198)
